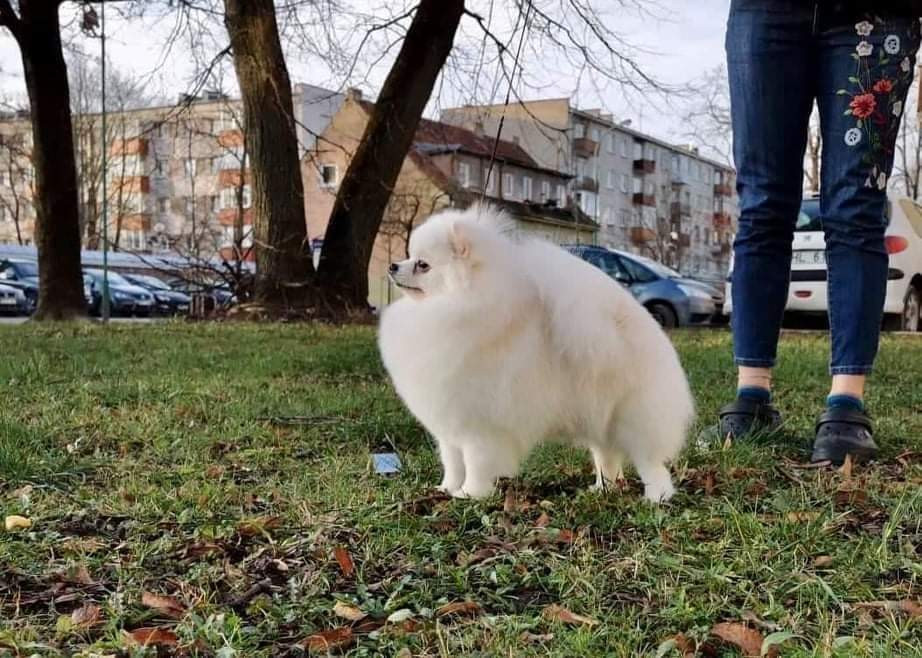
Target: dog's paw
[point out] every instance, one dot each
(474, 491)
(449, 489)
(659, 492)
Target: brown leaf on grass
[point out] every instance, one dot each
(850, 497)
(335, 638)
(802, 516)
(147, 637)
(86, 616)
(78, 575)
(368, 625)
(469, 559)
(459, 609)
(543, 521)
(907, 607)
(555, 612)
(168, 606)
(535, 638)
(200, 549)
(845, 470)
(259, 525)
(346, 611)
(822, 561)
(747, 640)
(346, 565)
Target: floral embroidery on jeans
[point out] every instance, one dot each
(875, 94)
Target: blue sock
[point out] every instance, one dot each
(844, 402)
(754, 393)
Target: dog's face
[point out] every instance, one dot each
(440, 259)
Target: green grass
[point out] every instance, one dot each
(156, 459)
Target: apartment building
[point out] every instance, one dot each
(649, 196)
(447, 166)
(177, 176)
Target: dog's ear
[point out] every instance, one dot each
(460, 240)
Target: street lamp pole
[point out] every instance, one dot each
(105, 166)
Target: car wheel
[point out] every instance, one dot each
(664, 315)
(912, 311)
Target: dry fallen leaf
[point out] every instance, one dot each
(802, 516)
(335, 638)
(543, 521)
(168, 606)
(345, 561)
(146, 637)
(86, 616)
(347, 611)
(747, 640)
(846, 469)
(555, 612)
(14, 522)
(259, 525)
(78, 575)
(906, 606)
(822, 561)
(536, 638)
(459, 608)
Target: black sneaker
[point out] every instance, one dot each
(841, 432)
(744, 417)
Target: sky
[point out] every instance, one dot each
(675, 42)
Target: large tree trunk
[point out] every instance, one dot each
(369, 180)
(282, 251)
(57, 226)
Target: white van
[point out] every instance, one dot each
(808, 292)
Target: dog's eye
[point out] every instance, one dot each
(422, 266)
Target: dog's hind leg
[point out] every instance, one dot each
(453, 465)
(609, 465)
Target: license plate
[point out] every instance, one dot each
(809, 257)
(8, 301)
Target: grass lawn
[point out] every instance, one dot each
(213, 483)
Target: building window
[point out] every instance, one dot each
(464, 174)
(649, 152)
(638, 150)
(329, 175)
(491, 177)
(562, 195)
(624, 140)
(133, 240)
(611, 142)
(625, 183)
(526, 189)
(609, 215)
(595, 134)
(610, 183)
(213, 201)
(163, 205)
(229, 197)
(625, 217)
(189, 166)
(638, 185)
(545, 190)
(649, 189)
(696, 235)
(158, 167)
(508, 186)
(579, 130)
(707, 236)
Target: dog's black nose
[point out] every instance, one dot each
(393, 268)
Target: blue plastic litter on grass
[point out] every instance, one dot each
(386, 463)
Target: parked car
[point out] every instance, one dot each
(13, 301)
(808, 289)
(22, 274)
(673, 300)
(125, 298)
(222, 294)
(168, 301)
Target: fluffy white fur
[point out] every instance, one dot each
(500, 345)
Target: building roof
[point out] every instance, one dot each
(546, 213)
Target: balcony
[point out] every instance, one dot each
(583, 147)
(133, 146)
(136, 221)
(132, 185)
(586, 184)
(721, 220)
(679, 209)
(641, 199)
(230, 138)
(232, 178)
(228, 216)
(723, 189)
(644, 166)
(641, 235)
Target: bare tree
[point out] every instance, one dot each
(36, 29)
(16, 182)
(907, 162)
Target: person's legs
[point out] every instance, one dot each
(865, 71)
(771, 77)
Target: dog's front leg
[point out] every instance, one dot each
(453, 465)
(483, 464)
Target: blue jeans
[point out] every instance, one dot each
(782, 55)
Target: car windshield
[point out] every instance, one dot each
(114, 278)
(808, 219)
(658, 268)
(152, 281)
(26, 268)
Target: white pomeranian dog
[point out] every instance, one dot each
(499, 345)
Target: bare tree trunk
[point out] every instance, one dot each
(373, 171)
(283, 261)
(37, 31)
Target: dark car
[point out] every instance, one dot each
(672, 299)
(168, 301)
(222, 294)
(21, 274)
(125, 298)
(13, 301)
